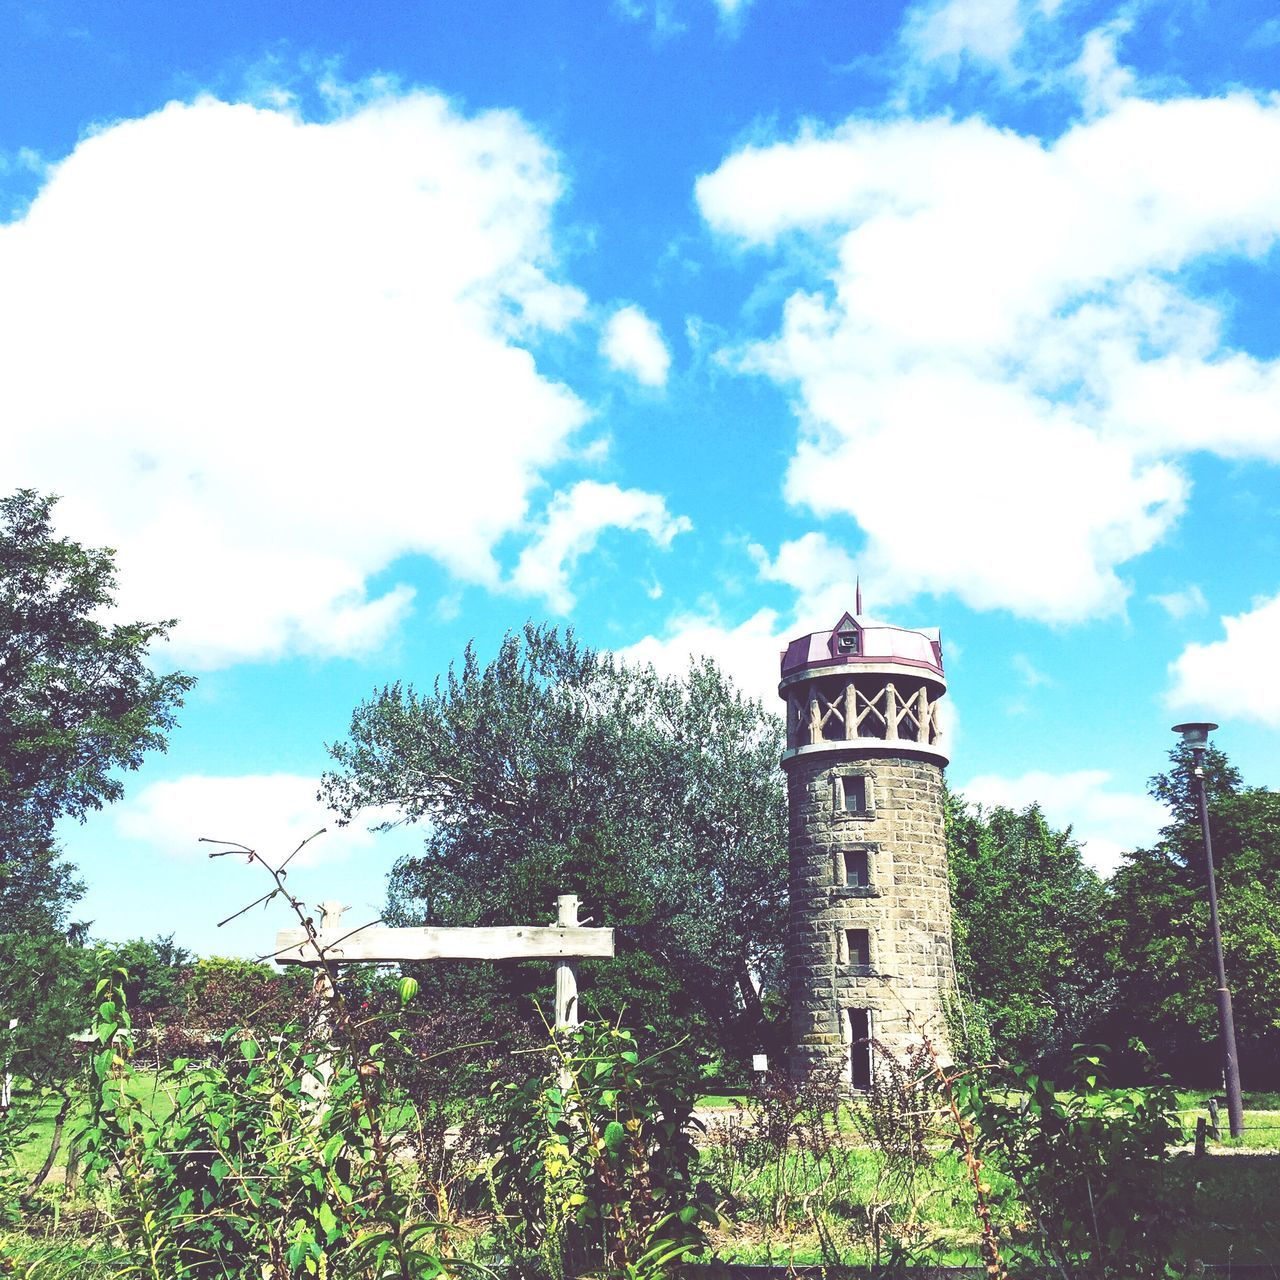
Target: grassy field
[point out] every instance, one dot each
(1233, 1194)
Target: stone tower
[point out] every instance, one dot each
(869, 948)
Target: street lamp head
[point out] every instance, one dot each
(1195, 734)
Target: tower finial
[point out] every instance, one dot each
(857, 598)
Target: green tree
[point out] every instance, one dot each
(158, 973)
(556, 769)
(78, 703)
(78, 706)
(1159, 919)
(1027, 917)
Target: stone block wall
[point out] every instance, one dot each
(905, 909)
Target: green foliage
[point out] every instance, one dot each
(223, 992)
(596, 1167)
(554, 769)
(157, 972)
(42, 980)
(78, 702)
(1159, 921)
(1028, 925)
(78, 705)
(248, 1174)
(1089, 1166)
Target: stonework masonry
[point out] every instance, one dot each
(869, 951)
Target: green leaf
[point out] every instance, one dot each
(327, 1220)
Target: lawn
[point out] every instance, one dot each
(771, 1209)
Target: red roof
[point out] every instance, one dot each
(878, 642)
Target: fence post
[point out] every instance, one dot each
(1215, 1129)
(1201, 1127)
(566, 976)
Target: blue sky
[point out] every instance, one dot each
(361, 331)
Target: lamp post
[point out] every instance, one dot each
(1196, 736)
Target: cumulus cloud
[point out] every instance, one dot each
(986, 30)
(1233, 676)
(748, 653)
(574, 522)
(1104, 80)
(1106, 822)
(821, 573)
(1005, 363)
(264, 358)
(632, 343)
(1182, 604)
(272, 813)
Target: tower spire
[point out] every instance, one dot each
(857, 598)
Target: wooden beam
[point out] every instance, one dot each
(382, 945)
(566, 1013)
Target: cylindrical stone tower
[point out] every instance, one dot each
(869, 948)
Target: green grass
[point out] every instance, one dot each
(1234, 1198)
(712, 1101)
(38, 1117)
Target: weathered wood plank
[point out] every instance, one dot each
(383, 945)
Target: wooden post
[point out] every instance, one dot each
(850, 711)
(890, 711)
(922, 715)
(1200, 1135)
(566, 976)
(1215, 1126)
(316, 1084)
(815, 718)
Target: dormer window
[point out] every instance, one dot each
(846, 639)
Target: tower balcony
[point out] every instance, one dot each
(864, 688)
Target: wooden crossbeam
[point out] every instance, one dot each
(380, 945)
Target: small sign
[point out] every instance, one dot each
(759, 1062)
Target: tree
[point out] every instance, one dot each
(556, 769)
(78, 703)
(1027, 919)
(1159, 920)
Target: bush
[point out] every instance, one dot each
(1090, 1167)
(595, 1166)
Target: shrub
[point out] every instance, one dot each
(595, 1165)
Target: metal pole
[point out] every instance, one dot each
(1230, 1063)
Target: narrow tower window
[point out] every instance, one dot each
(854, 792)
(858, 942)
(857, 868)
(859, 1047)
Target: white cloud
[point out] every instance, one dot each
(986, 30)
(750, 653)
(632, 343)
(264, 358)
(573, 524)
(1030, 675)
(823, 575)
(1182, 604)
(1103, 79)
(272, 813)
(1107, 823)
(1004, 366)
(1233, 676)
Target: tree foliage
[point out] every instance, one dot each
(556, 769)
(1027, 921)
(78, 703)
(1159, 914)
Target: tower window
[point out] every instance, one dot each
(858, 942)
(854, 793)
(857, 868)
(859, 1032)
(847, 642)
